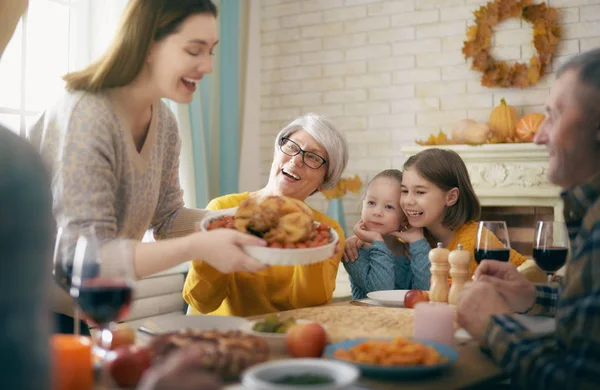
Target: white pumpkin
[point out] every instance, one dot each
(458, 132)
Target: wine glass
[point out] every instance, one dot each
(62, 270)
(551, 246)
(102, 281)
(492, 242)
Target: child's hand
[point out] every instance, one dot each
(353, 244)
(409, 235)
(362, 233)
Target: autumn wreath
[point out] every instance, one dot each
(545, 39)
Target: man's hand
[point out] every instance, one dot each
(518, 292)
(477, 303)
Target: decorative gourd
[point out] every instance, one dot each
(503, 122)
(477, 134)
(458, 132)
(529, 125)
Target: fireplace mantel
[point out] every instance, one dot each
(507, 174)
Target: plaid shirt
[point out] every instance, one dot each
(570, 357)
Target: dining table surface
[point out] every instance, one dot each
(472, 369)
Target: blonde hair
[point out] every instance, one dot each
(143, 23)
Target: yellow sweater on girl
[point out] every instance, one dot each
(465, 235)
(274, 289)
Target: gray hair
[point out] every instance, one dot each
(323, 131)
(587, 65)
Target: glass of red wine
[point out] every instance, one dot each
(102, 281)
(551, 246)
(492, 242)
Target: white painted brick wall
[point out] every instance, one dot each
(389, 71)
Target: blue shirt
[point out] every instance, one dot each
(376, 268)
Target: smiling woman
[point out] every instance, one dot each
(309, 155)
(114, 146)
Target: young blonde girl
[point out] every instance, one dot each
(437, 196)
(386, 263)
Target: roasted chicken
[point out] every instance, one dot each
(276, 219)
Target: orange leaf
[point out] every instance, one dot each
(533, 74)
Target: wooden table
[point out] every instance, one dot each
(472, 369)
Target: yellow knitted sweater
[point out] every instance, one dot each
(465, 236)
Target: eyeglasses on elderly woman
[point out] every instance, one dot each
(310, 159)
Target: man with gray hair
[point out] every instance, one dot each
(569, 357)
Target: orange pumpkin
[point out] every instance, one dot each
(529, 125)
(503, 122)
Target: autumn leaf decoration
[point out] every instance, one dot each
(440, 139)
(343, 186)
(546, 33)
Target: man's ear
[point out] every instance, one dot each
(452, 197)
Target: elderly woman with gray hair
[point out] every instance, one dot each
(310, 155)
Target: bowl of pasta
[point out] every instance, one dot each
(398, 357)
(293, 237)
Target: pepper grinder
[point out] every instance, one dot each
(459, 271)
(440, 267)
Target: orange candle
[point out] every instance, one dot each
(72, 362)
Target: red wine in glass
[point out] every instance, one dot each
(492, 242)
(104, 301)
(551, 246)
(492, 254)
(550, 259)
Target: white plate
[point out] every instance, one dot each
(196, 322)
(260, 376)
(388, 297)
(276, 341)
(280, 256)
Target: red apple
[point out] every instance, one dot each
(413, 297)
(306, 340)
(128, 364)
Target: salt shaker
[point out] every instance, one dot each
(440, 267)
(459, 271)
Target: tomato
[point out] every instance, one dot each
(128, 364)
(306, 340)
(413, 297)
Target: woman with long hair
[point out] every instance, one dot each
(113, 144)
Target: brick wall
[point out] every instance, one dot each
(387, 72)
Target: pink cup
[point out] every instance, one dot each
(434, 322)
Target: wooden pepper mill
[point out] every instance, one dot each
(440, 267)
(459, 271)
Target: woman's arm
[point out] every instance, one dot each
(205, 287)
(171, 218)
